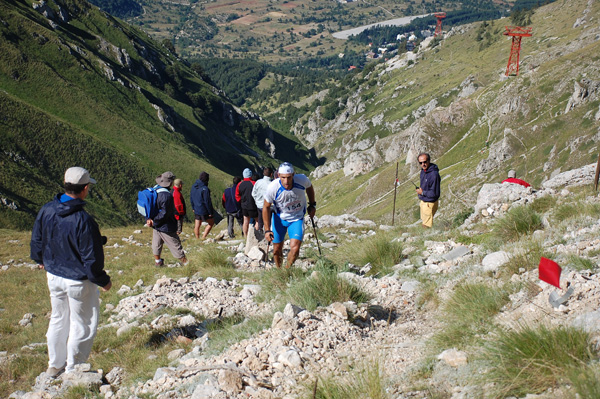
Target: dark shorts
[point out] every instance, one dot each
(204, 218)
(251, 213)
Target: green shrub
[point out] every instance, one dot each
(518, 221)
(532, 359)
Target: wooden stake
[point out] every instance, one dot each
(396, 186)
(597, 173)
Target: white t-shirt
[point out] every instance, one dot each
(289, 204)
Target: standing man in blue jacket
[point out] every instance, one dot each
(202, 205)
(66, 242)
(429, 192)
(164, 224)
(232, 207)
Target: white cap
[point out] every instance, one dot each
(78, 175)
(286, 168)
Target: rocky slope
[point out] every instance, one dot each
(454, 101)
(392, 331)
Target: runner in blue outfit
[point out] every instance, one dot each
(287, 195)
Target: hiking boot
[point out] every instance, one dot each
(159, 263)
(53, 372)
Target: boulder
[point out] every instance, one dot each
(456, 253)
(255, 253)
(230, 381)
(453, 357)
(493, 261)
(255, 239)
(290, 358)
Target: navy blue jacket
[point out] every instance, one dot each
(67, 241)
(231, 205)
(200, 199)
(165, 219)
(430, 184)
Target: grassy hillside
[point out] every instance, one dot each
(86, 89)
(526, 112)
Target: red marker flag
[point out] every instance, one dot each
(550, 272)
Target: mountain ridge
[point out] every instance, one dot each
(89, 78)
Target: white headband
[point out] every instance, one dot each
(286, 168)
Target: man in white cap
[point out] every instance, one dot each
(66, 241)
(287, 195)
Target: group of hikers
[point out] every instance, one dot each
(67, 243)
(278, 204)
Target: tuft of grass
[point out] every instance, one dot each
(231, 330)
(460, 218)
(566, 211)
(82, 392)
(468, 313)
(428, 296)
(544, 204)
(131, 351)
(586, 380)
(211, 261)
(323, 288)
(365, 382)
(319, 287)
(532, 359)
(379, 250)
(527, 257)
(518, 221)
(573, 210)
(578, 263)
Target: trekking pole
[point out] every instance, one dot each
(267, 255)
(395, 187)
(316, 236)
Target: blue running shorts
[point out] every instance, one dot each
(294, 229)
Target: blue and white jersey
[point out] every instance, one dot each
(289, 204)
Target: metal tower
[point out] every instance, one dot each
(517, 32)
(438, 26)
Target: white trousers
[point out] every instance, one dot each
(74, 320)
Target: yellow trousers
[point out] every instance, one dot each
(428, 209)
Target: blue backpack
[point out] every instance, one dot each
(146, 202)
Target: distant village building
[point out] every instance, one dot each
(426, 33)
(400, 37)
(341, 55)
(412, 38)
(371, 55)
(351, 67)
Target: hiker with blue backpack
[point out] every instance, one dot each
(202, 205)
(286, 196)
(161, 217)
